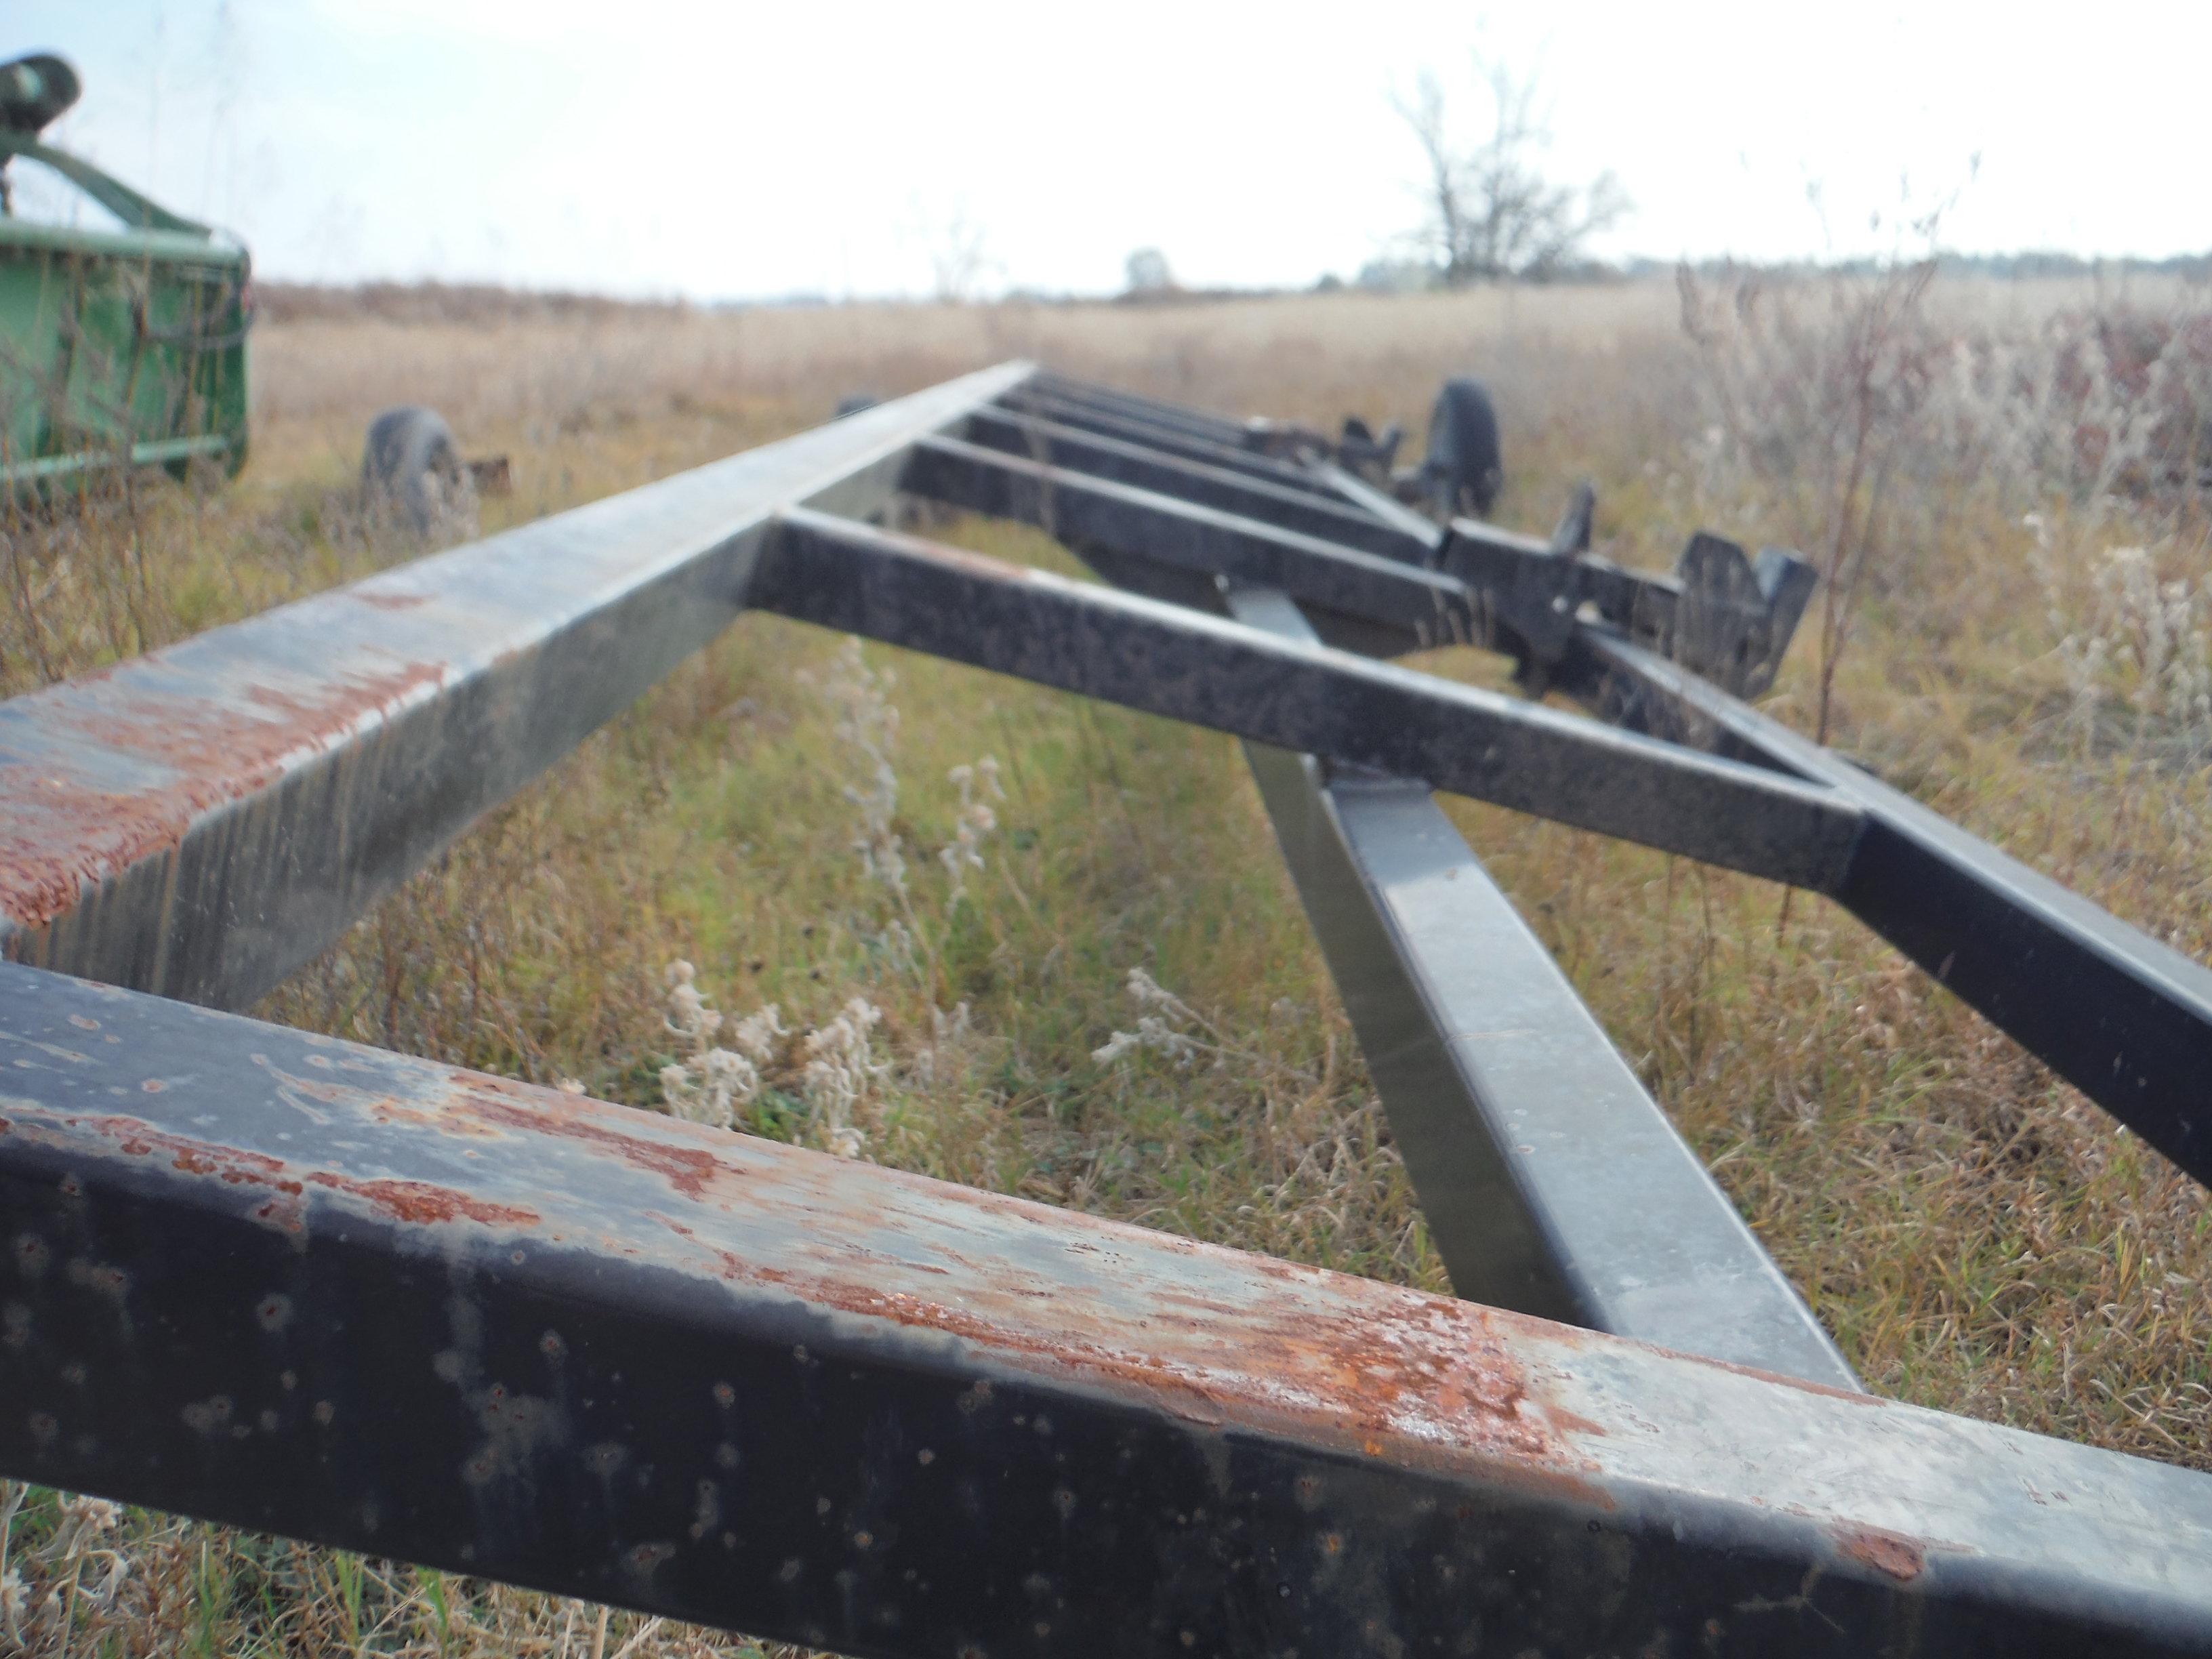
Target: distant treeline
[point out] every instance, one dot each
(438, 302)
(2012, 267)
(484, 302)
(1401, 276)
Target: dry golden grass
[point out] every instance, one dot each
(1978, 1237)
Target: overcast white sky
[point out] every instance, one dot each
(742, 149)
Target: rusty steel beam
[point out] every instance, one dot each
(285, 1282)
(1377, 605)
(203, 820)
(1135, 406)
(2124, 1018)
(1055, 445)
(1164, 660)
(1166, 419)
(1108, 424)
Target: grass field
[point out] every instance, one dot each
(1998, 480)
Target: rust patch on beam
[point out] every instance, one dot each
(564, 1288)
(202, 820)
(168, 763)
(1890, 1553)
(1426, 1372)
(417, 1201)
(420, 1201)
(502, 1103)
(1390, 1374)
(135, 1138)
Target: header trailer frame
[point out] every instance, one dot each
(293, 1283)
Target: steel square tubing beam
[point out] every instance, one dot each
(1166, 660)
(1221, 429)
(1069, 448)
(1382, 505)
(1225, 445)
(1488, 546)
(1320, 474)
(288, 1283)
(2125, 1019)
(1155, 417)
(1410, 606)
(205, 819)
(1246, 461)
(1551, 1182)
(1489, 571)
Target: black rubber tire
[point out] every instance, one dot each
(411, 472)
(35, 91)
(1466, 463)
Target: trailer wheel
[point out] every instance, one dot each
(412, 475)
(1466, 466)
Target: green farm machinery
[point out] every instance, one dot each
(122, 346)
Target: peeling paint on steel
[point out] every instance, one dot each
(118, 776)
(507, 1192)
(1891, 1554)
(201, 820)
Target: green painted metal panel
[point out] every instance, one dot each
(119, 348)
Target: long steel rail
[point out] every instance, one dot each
(291, 1283)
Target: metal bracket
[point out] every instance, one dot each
(1719, 614)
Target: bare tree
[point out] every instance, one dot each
(958, 250)
(1494, 213)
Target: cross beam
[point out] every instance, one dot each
(1154, 657)
(299, 1284)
